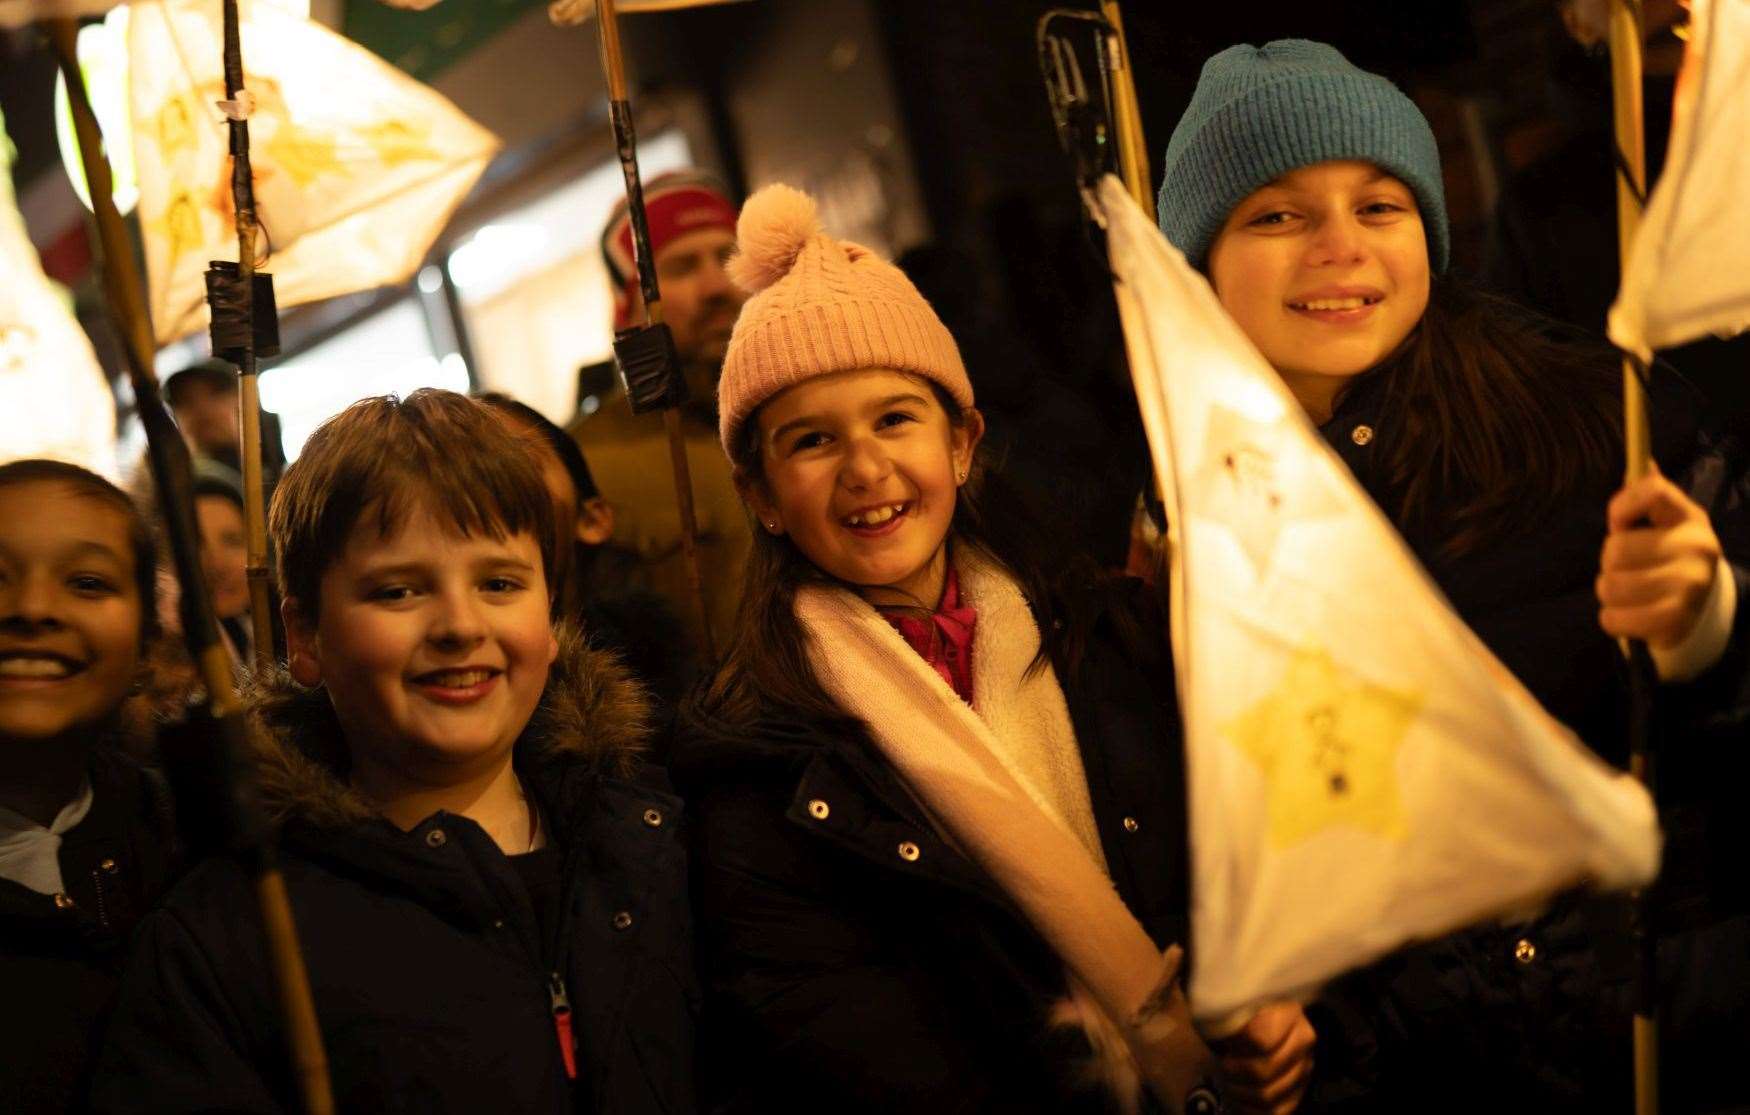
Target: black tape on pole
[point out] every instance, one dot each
(650, 368)
(231, 316)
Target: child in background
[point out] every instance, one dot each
(1310, 194)
(489, 884)
(871, 944)
(598, 590)
(218, 509)
(85, 833)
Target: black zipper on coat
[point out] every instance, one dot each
(97, 874)
(559, 952)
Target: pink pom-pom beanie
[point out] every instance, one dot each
(819, 306)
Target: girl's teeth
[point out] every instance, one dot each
(32, 667)
(876, 517)
(457, 679)
(1335, 304)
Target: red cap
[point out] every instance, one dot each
(675, 204)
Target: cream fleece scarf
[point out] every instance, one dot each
(1004, 778)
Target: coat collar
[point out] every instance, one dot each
(593, 719)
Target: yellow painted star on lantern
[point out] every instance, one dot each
(173, 127)
(399, 141)
(181, 225)
(1327, 743)
(304, 155)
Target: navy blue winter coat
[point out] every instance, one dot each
(61, 955)
(433, 984)
(857, 962)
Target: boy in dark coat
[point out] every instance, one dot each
(490, 887)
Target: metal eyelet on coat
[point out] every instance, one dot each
(62, 902)
(819, 810)
(435, 838)
(1130, 824)
(653, 818)
(622, 920)
(1361, 434)
(908, 851)
(1524, 952)
(109, 867)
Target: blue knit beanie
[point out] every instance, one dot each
(1260, 112)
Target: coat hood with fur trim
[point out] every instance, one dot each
(592, 712)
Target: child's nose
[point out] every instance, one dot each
(1336, 241)
(866, 463)
(458, 620)
(28, 602)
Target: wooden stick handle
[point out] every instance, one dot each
(1133, 155)
(170, 466)
(1631, 192)
(297, 1006)
(626, 144)
(248, 393)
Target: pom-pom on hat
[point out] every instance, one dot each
(1262, 111)
(819, 306)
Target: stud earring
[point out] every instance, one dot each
(962, 476)
(773, 527)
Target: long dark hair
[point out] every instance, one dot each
(1493, 416)
(767, 670)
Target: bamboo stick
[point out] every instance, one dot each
(171, 471)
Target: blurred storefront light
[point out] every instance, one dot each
(389, 353)
(534, 293)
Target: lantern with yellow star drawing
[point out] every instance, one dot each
(357, 167)
(1362, 771)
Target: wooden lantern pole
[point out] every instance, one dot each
(248, 381)
(1631, 197)
(1133, 154)
(172, 474)
(626, 144)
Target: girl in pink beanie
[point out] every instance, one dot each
(938, 801)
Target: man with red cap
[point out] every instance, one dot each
(692, 233)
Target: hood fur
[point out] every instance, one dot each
(592, 711)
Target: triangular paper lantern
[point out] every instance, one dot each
(53, 395)
(1688, 273)
(357, 166)
(1362, 771)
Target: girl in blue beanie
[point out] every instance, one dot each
(1309, 192)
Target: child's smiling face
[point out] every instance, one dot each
(1326, 270)
(70, 611)
(434, 648)
(862, 471)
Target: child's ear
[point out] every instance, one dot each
(303, 661)
(757, 496)
(595, 521)
(963, 441)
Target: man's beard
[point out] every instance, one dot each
(716, 320)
